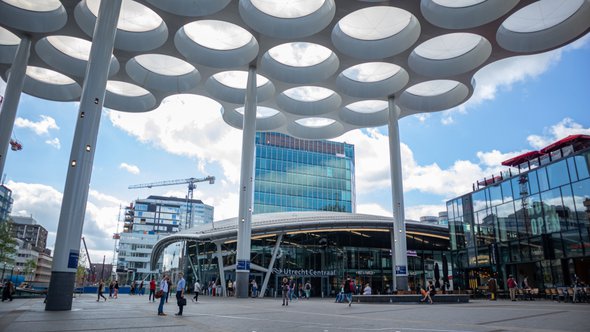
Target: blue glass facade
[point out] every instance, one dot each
(5, 202)
(301, 175)
(534, 224)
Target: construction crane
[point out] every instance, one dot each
(191, 186)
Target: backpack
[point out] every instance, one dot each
(351, 287)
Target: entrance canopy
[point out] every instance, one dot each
(324, 66)
(270, 225)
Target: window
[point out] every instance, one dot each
(557, 174)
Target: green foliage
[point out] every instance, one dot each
(7, 243)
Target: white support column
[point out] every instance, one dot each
(73, 208)
(270, 266)
(246, 187)
(221, 269)
(397, 192)
(14, 87)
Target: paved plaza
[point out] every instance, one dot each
(135, 313)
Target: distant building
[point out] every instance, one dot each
(148, 220)
(5, 202)
(443, 218)
(429, 220)
(27, 229)
(43, 270)
(302, 175)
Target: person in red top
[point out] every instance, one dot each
(152, 290)
(512, 286)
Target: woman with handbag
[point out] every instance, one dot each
(164, 291)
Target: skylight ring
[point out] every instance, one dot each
(309, 108)
(188, 8)
(564, 21)
(183, 79)
(135, 41)
(138, 99)
(380, 48)
(70, 64)
(61, 88)
(433, 96)
(452, 14)
(197, 53)
(445, 61)
(378, 117)
(300, 75)
(47, 19)
(372, 89)
(296, 129)
(236, 119)
(236, 95)
(287, 28)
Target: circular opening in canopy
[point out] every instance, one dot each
(261, 112)
(371, 71)
(35, 5)
(8, 38)
(368, 106)
(374, 23)
(71, 46)
(288, 9)
(134, 17)
(308, 93)
(458, 3)
(217, 35)
(300, 54)
(48, 76)
(164, 64)
(541, 15)
(315, 122)
(238, 79)
(448, 46)
(432, 88)
(126, 89)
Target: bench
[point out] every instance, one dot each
(410, 298)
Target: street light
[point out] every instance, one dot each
(3, 269)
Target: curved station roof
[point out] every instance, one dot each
(272, 224)
(324, 66)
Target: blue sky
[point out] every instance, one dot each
(519, 104)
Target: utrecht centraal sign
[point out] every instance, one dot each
(310, 273)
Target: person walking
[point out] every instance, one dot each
(100, 288)
(512, 286)
(429, 292)
(141, 290)
(169, 289)
(7, 291)
(152, 296)
(197, 289)
(111, 288)
(492, 288)
(254, 288)
(285, 289)
(307, 290)
(116, 288)
(164, 289)
(180, 300)
(230, 288)
(349, 289)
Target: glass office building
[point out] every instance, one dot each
(533, 223)
(5, 202)
(301, 175)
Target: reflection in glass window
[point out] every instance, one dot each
(571, 166)
(582, 202)
(582, 165)
(495, 194)
(533, 183)
(507, 191)
(551, 205)
(535, 214)
(479, 200)
(557, 174)
(543, 180)
(507, 221)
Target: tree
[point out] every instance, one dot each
(81, 271)
(7, 243)
(30, 266)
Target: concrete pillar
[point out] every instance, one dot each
(73, 208)
(271, 265)
(397, 194)
(246, 187)
(14, 87)
(221, 268)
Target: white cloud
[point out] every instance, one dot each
(43, 203)
(373, 209)
(41, 127)
(562, 129)
(54, 142)
(186, 126)
(417, 211)
(129, 168)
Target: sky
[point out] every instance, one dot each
(519, 104)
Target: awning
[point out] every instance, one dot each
(515, 161)
(570, 140)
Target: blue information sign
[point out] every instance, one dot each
(73, 259)
(243, 265)
(401, 269)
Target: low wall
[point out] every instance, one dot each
(414, 298)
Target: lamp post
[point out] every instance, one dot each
(3, 269)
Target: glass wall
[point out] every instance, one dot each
(300, 175)
(535, 224)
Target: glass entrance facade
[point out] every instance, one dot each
(535, 224)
